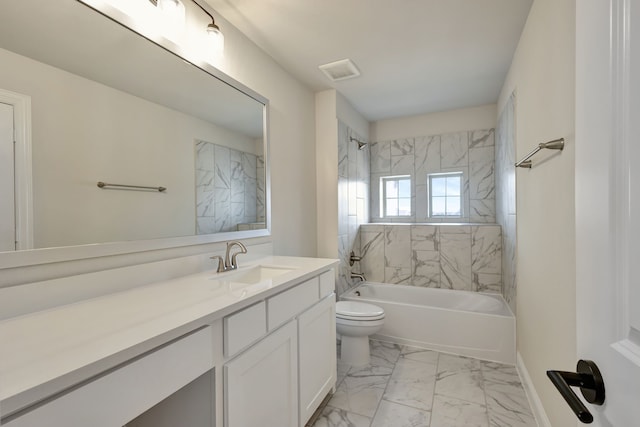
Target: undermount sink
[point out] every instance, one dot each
(256, 274)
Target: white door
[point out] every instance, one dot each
(608, 202)
(7, 186)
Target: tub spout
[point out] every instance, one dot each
(358, 276)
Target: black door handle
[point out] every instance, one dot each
(591, 384)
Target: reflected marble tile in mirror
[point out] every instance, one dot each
(229, 189)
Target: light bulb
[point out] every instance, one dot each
(174, 15)
(216, 39)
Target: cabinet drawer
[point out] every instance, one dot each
(244, 328)
(118, 396)
(286, 305)
(327, 283)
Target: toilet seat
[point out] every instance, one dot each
(360, 311)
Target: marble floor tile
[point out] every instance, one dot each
(419, 354)
(412, 384)
(342, 371)
(460, 378)
(384, 353)
(334, 417)
(451, 362)
(413, 387)
(506, 400)
(361, 390)
(391, 414)
(448, 412)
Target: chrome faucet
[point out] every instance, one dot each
(227, 264)
(358, 276)
(234, 263)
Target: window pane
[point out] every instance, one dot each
(453, 206)
(392, 188)
(404, 188)
(438, 186)
(453, 186)
(392, 207)
(404, 207)
(438, 206)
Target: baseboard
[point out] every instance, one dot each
(534, 400)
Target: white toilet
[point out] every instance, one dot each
(355, 321)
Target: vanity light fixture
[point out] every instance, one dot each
(213, 31)
(176, 9)
(173, 11)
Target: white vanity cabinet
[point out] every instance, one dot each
(282, 379)
(186, 352)
(317, 355)
(117, 396)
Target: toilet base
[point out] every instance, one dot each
(355, 350)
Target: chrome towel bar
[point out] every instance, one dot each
(556, 144)
(136, 187)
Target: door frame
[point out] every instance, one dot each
(22, 166)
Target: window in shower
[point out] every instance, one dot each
(445, 195)
(395, 197)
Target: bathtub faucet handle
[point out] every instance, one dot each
(353, 258)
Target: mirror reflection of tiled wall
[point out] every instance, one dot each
(228, 182)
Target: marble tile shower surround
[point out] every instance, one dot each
(353, 201)
(471, 152)
(411, 387)
(227, 188)
(506, 197)
(460, 257)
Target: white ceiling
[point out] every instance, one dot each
(415, 56)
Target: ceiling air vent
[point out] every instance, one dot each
(340, 70)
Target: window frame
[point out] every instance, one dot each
(430, 195)
(383, 195)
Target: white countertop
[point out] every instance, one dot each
(44, 352)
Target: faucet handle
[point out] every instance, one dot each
(221, 266)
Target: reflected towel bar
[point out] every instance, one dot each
(556, 144)
(139, 187)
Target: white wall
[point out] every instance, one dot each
(465, 119)
(327, 173)
(292, 134)
(543, 76)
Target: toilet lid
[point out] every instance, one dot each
(359, 310)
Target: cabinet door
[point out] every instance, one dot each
(317, 355)
(261, 385)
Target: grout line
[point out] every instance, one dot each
(435, 383)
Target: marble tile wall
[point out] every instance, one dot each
(469, 152)
(226, 188)
(353, 201)
(461, 257)
(506, 197)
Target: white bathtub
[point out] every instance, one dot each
(459, 322)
